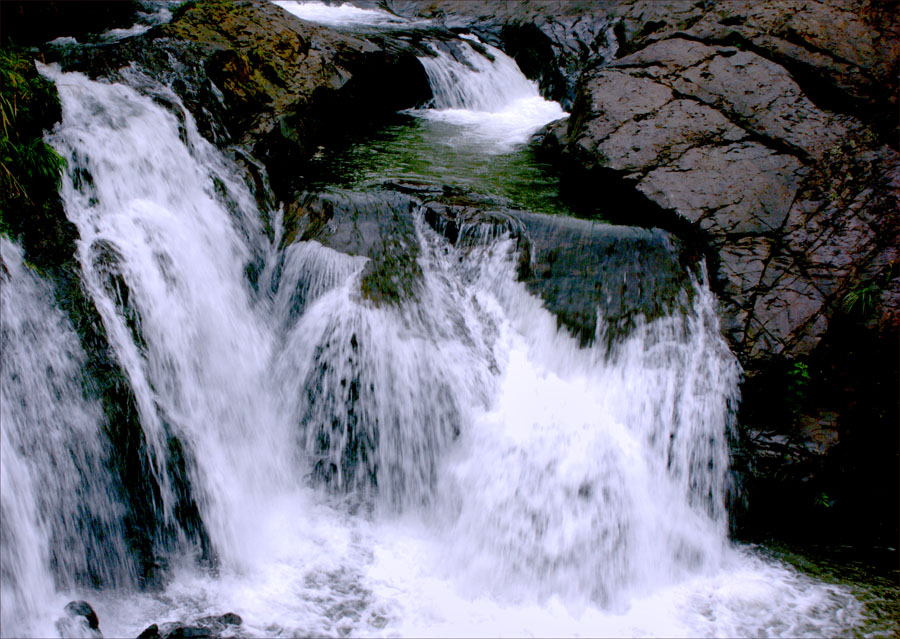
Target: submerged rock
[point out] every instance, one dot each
(579, 267)
(80, 621)
(375, 225)
(201, 628)
(83, 609)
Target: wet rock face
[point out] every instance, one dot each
(577, 267)
(80, 621)
(204, 627)
(728, 141)
(843, 54)
(376, 225)
(626, 274)
(581, 268)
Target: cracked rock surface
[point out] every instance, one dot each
(728, 141)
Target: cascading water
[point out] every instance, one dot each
(485, 94)
(61, 523)
(475, 82)
(164, 260)
(450, 465)
(342, 15)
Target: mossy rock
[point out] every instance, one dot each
(393, 275)
(30, 169)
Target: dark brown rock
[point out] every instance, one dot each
(843, 53)
(726, 140)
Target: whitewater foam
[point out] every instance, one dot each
(486, 96)
(342, 15)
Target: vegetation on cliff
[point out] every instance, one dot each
(30, 169)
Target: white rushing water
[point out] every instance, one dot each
(342, 14)
(490, 101)
(453, 466)
(149, 215)
(59, 515)
(478, 90)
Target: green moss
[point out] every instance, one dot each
(393, 275)
(183, 8)
(30, 169)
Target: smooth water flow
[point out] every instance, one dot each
(449, 465)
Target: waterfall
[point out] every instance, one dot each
(452, 463)
(167, 231)
(480, 89)
(477, 88)
(61, 516)
(383, 391)
(342, 15)
(594, 474)
(463, 78)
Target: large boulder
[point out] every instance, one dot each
(843, 53)
(727, 141)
